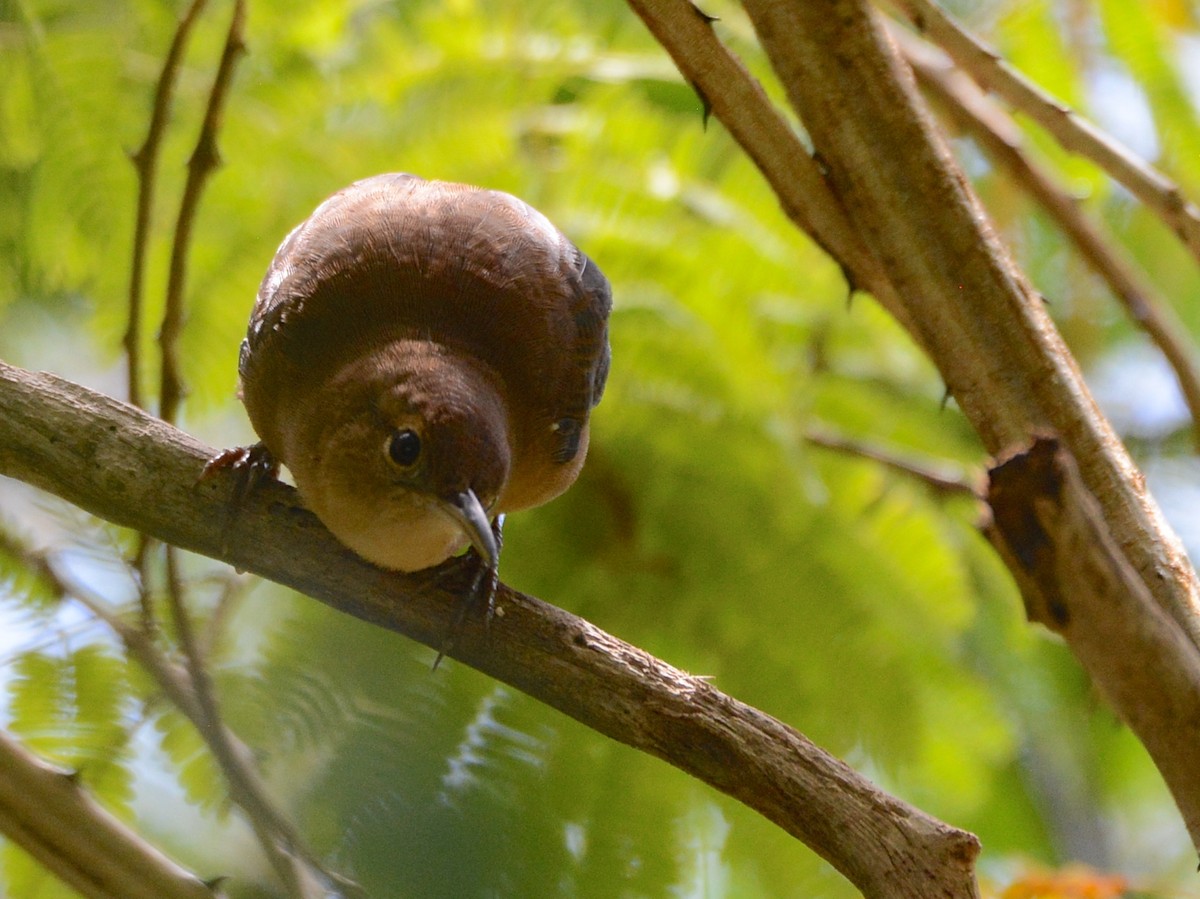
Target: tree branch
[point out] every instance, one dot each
(117, 462)
(145, 161)
(771, 142)
(294, 863)
(943, 478)
(45, 812)
(1075, 133)
(203, 161)
(1000, 138)
(983, 326)
(931, 250)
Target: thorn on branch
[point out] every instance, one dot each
(852, 285)
(705, 105)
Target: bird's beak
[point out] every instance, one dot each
(466, 509)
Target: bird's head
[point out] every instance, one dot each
(403, 454)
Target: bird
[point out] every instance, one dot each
(423, 357)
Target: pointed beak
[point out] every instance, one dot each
(466, 509)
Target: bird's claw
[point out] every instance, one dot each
(251, 465)
(481, 592)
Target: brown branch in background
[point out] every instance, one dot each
(943, 478)
(192, 696)
(284, 847)
(1000, 138)
(302, 876)
(47, 813)
(203, 162)
(234, 587)
(1075, 133)
(145, 162)
(56, 435)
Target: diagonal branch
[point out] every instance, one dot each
(117, 462)
(742, 106)
(46, 812)
(145, 161)
(1001, 139)
(203, 162)
(981, 323)
(294, 862)
(1075, 133)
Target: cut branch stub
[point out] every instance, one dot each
(1051, 533)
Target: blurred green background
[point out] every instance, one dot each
(845, 599)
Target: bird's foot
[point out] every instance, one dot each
(251, 465)
(481, 592)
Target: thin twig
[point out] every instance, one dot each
(140, 566)
(233, 588)
(145, 162)
(1000, 138)
(283, 845)
(203, 162)
(943, 478)
(1075, 133)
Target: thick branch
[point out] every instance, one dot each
(119, 463)
(45, 812)
(1076, 581)
(292, 860)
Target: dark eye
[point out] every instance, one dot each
(404, 447)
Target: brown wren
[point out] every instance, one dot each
(423, 357)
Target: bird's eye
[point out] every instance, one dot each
(404, 447)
